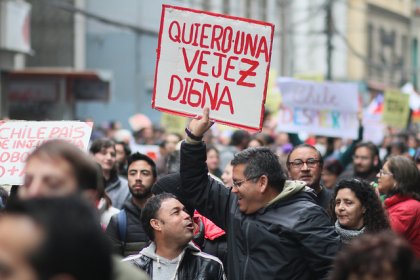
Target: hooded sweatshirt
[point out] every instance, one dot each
(190, 264)
(162, 267)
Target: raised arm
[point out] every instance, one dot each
(209, 196)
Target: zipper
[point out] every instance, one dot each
(247, 250)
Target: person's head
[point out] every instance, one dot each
(304, 163)
(399, 175)
(141, 174)
(379, 256)
(165, 220)
(58, 168)
(171, 141)
(213, 158)
(330, 172)
(240, 139)
(52, 238)
(282, 138)
(257, 174)
(227, 175)
(398, 148)
(356, 205)
(323, 145)
(256, 141)
(365, 158)
(122, 151)
(103, 151)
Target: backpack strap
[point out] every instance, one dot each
(122, 227)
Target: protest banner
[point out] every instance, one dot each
(396, 108)
(173, 123)
(211, 60)
(19, 138)
(328, 109)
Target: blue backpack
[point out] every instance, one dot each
(122, 226)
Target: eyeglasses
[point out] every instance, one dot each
(383, 173)
(310, 163)
(238, 184)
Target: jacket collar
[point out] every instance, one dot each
(290, 188)
(395, 199)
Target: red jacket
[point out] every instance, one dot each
(404, 216)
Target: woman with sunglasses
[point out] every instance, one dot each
(357, 209)
(399, 180)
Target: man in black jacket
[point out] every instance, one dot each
(274, 227)
(171, 255)
(125, 230)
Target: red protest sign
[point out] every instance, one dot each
(212, 60)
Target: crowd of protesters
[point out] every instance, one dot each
(215, 205)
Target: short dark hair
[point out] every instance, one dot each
(101, 143)
(374, 151)
(333, 166)
(321, 160)
(138, 156)
(376, 256)
(239, 137)
(374, 218)
(150, 210)
(406, 175)
(126, 147)
(261, 161)
(86, 170)
(210, 147)
(73, 240)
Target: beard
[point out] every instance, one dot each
(141, 194)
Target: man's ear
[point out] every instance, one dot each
(155, 224)
(263, 183)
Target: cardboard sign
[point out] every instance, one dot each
(173, 123)
(19, 138)
(328, 109)
(396, 108)
(212, 60)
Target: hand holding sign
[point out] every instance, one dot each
(212, 60)
(199, 126)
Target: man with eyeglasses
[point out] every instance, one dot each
(304, 163)
(366, 163)
(125, 230)
(275, 229)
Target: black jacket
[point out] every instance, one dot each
(136, 238)
(292, 238)
(194, 264)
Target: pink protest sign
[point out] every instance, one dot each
(212, 60)
(19, 138)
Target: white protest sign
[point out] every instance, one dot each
(212, 60)
(327, 108)
(19, 138)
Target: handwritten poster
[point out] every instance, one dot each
(212, 60)
(327, 108)
(19, 138)
(396, 108)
